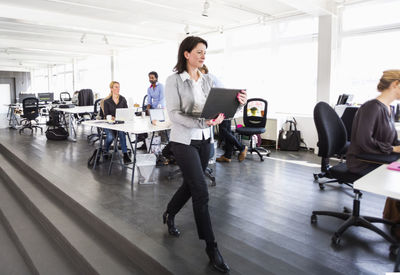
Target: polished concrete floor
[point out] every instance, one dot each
(260, 210)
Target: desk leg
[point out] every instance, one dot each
(115, 152)
(70, 126)
(134, 157)
(151, 143)
(100, 149)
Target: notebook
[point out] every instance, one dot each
(394, 166)
(124, 114)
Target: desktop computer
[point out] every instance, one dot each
(46, 97)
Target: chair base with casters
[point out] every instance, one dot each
(252, 148)
(328, 172)
(27, 124)
(354, 219)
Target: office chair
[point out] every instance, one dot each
(348, 118)
(85, 98)
(332, 142)
(65, 96)
(254, 123)
(30, 107)
(92, 138)
(332, 138)
(144, 105)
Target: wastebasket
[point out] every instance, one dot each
(145, 164)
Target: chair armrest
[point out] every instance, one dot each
(378, 158)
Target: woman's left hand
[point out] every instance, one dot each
(216, 121)
(242, 97)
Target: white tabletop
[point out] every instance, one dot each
(397, 125)
(76, 109)
(381, 181)
(137, 126)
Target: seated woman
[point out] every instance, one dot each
(373, 129)
(110, 105)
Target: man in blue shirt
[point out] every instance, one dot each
(155, 93)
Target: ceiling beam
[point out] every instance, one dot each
(313, 7)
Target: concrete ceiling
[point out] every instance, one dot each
(38, 33)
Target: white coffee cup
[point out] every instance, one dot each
(109, 118)
(143, 114)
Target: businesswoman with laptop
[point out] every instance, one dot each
(114, 101)
(186, 92)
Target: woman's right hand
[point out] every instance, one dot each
(396, 149)
(216, 121)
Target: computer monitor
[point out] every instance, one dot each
(46, 97)
(23, 96)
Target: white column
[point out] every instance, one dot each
(327, 46)
(75, 75)
(114, 65)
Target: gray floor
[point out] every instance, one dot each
(260, 210)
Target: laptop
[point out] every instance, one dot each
(124, 114)
(157, 114)
(221, 100)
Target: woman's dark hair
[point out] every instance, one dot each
(154, 73)
(188, 44)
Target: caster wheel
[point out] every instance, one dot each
(268, 154)
(313, 219)
(394, 249)
(321, 186)
(315, 177)
(335, 239)
(346, 210)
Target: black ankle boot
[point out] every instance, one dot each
(216, 259)
(127, 159)
(169, 220)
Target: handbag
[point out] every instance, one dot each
(289, 140)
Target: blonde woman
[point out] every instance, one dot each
(110, 105)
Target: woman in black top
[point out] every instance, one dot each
(110, 105)
(373, 129)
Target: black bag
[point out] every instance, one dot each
(289, 140)
(54, 118)
(56, 133)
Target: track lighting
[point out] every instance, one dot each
(83, 38)
(187, 30)
(105, 39)
(206, 6)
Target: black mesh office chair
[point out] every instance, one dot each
(92, 138)
(348, 118)
(65, 96)
(30, 108)
(332, 138)
(254, 120)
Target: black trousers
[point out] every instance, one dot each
(192, 160)
(230, 140)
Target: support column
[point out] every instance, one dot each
(327, 48)
(75, 75)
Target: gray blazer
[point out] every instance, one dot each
(180, 101)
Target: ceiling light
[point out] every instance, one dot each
(105, 39)
(187, 30)
(83, 38)
(221, 29)
(206, 6)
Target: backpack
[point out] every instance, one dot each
(54, 118)
(56, 133)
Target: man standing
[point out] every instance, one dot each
(155, 93)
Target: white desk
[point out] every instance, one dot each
(136, 127)
(397, 125)
(382, 181)
(71, 118)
